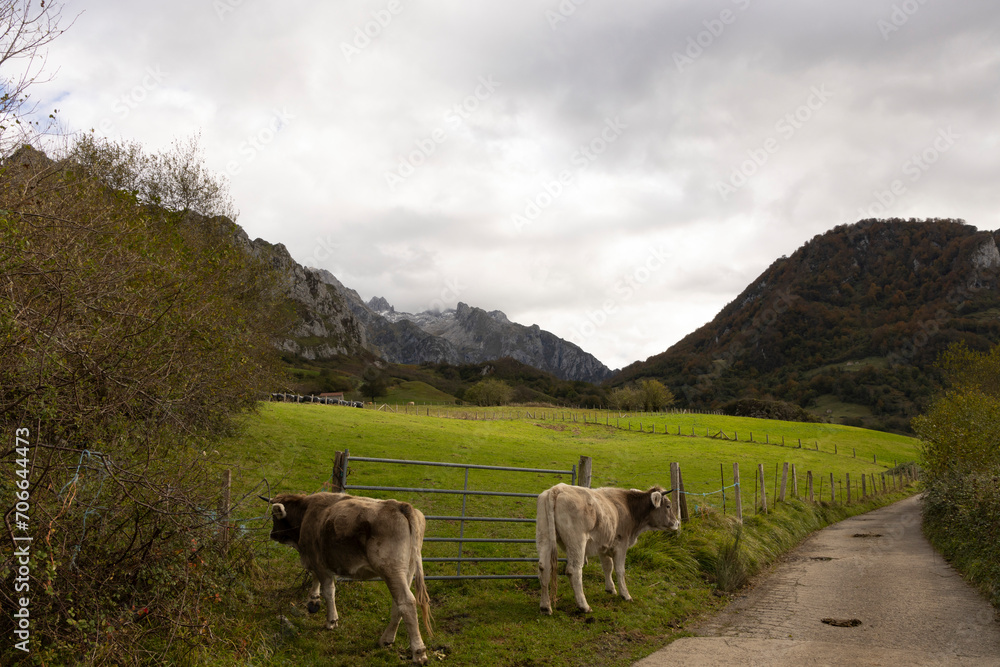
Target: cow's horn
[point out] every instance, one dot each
(266, 500)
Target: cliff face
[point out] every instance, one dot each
(324, 323)
(477, 335)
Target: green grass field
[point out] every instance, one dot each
(497, 622)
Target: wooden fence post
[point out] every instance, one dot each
(883, 483)
(864, 487)
(585, 471)
(684, 501)
(339, 463)
(795, 483)
(675, 486)
(833, 490)
(848, 488)
(784, 483)
(809, 483)
(763, 493)
(227, 481)
(722, 479)
(736, 488)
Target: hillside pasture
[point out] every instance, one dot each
(497, 622)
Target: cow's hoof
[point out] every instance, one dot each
(312, 607)
(331, 625)
(420, 657)
(546, 610)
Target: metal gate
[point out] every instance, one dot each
(340, 481)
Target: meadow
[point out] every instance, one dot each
(673, 578)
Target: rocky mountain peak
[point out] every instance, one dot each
(380, 305)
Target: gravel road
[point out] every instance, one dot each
(888, 599)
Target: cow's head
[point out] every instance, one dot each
(286, 517)
(654, 504)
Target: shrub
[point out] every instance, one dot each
(766, 409)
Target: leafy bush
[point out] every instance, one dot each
(489, 392)
(961, 451)
(962, 519)
(765, 409)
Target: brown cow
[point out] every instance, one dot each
(350, 536)
(601, 522)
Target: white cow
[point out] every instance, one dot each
(601, 522)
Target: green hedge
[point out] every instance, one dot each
(962, 520)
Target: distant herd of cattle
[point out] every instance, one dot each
(337, 534)
(324, 400)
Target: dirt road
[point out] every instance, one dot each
(888, 599)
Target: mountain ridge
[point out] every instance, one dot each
(856, 316)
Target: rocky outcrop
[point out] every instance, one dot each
(325, 325)
(477, 335)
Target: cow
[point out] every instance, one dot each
(337, 534)
(603, 522)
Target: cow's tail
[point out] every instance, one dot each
(417, 526)
(547, 525)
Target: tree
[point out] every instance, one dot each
(25, 29)
(654, 396)
(175, 179)
(489, 392)
(624, 398)
(374, 383)
(961, 430)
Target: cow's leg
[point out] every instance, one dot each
(329, 592)
(389, 635)
(312, 606)
(547, 571)
(576, 556)
(620, 571)
(404, 605)
(607, 564)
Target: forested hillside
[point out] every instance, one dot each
(848, 327)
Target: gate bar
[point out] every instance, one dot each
(459, 492)
(462, 465)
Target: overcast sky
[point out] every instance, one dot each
(615, 172)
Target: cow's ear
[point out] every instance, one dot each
(657, 498)
(278, 511)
